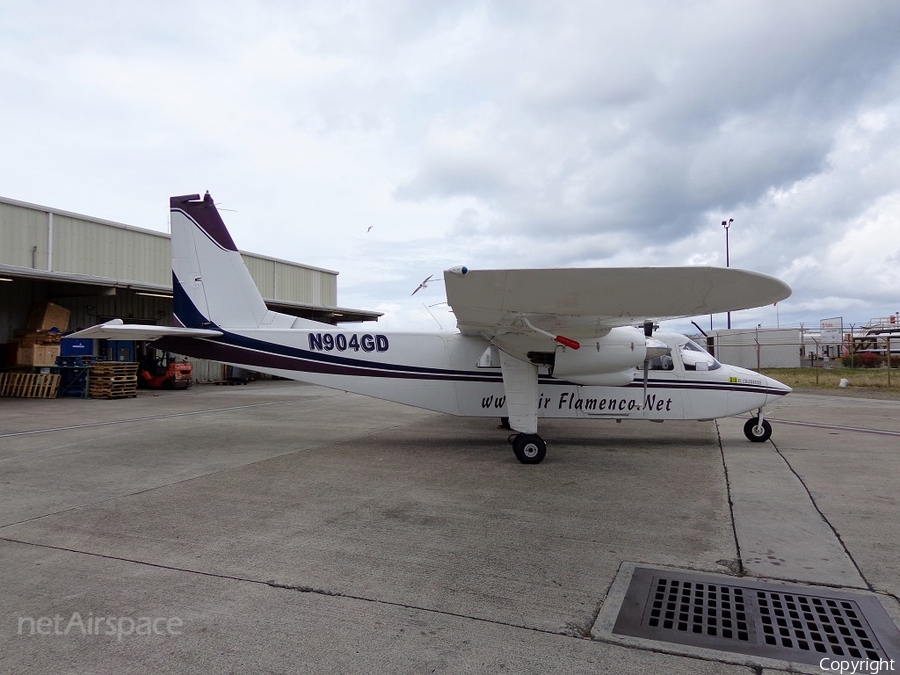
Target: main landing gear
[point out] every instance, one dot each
(528, 448)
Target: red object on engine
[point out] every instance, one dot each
(568, 342)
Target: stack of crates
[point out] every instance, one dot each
(40, 345)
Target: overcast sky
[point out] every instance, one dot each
(491, 134)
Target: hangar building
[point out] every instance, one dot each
(100, 270)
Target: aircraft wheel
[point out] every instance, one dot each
(529, 448)
(754, 433)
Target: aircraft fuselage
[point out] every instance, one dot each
(437, 371)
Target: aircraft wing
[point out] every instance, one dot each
(585, 302)
(118, 330)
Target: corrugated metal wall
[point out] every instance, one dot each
(290, 278)
(101, 250)
(21, 230)
(83, 245)
(263, 273)
(280, 280)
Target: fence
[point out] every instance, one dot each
(794, 348)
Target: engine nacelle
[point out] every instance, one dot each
(608, 361)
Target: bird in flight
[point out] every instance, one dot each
(424, 284)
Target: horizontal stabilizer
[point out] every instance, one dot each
(118, 330)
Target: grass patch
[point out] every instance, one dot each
(872, 379)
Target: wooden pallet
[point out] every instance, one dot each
(113, 379)
(29, 385)
(113, 387)
(113, 369)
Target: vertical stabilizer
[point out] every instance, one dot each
(211, 284)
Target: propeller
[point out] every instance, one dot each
(648, 333)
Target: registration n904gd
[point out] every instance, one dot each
(327, 342)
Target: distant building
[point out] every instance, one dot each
(759, 348)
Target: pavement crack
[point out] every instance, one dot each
(302, 588)
(822, 515)
(739, 558)
(133, 561)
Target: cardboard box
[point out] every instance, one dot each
(46, 316)
(37, 355)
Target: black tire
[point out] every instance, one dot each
(529, 448)
(754, 434)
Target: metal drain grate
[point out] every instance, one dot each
(755, 618)
(824, 625)
(700, 609)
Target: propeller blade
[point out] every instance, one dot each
(646, 369)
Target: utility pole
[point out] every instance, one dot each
(727, 224)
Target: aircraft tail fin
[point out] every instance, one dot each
(212, 286)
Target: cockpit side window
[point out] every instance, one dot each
(694, 357)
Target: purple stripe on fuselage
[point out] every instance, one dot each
(207, 217)
(228, 353)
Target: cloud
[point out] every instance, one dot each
(494, 134)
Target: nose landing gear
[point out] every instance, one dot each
(757, 429)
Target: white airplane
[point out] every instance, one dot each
(552, 343)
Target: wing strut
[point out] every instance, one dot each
(520, 384)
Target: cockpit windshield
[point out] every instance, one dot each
(694, 357)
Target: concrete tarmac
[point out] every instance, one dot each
(286, 528)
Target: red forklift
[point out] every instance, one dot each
(163, 370)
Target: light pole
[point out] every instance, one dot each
(727, 224)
